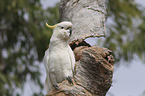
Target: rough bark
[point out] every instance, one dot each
(93, 73)
(94, 65)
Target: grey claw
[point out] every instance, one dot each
(56, 86)
(69, 79)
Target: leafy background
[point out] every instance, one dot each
(24, 39)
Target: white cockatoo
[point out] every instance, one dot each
(59, 58)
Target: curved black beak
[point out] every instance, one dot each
(70, 31)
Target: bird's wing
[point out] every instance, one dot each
(72, 58)
(46, 58)
(48, 84)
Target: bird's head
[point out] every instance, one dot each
(63, 29)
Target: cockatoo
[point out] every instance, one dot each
(59, 58)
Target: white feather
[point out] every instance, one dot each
(48, 84)
(59, 58)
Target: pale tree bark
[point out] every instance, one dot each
(94, 65)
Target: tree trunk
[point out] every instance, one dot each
(87, 17)
(94, 65)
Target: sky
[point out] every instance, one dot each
(48, 3)
(127, 80)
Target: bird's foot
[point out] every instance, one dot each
(56, 86)
(69, 79)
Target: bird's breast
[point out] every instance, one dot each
(60, 63)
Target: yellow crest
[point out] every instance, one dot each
(51, 27)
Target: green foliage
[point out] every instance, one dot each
(23, 41)
(126, 33)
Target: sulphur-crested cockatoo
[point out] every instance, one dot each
(59, 58)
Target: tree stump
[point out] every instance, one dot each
(93, 73)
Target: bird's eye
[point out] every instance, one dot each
(62, 27)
